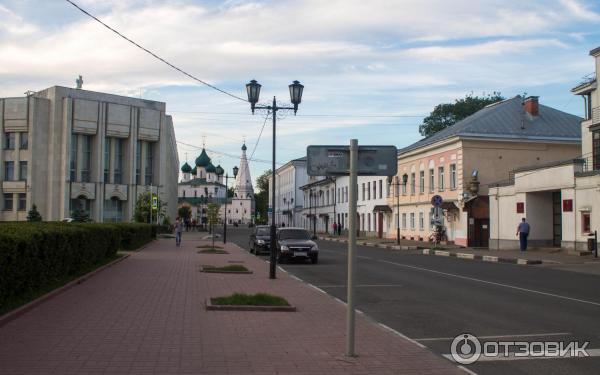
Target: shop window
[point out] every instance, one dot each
(585, 222)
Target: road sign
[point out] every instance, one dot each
(335, 160)
(154, 202)
(437, 200)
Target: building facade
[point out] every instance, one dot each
(288, 196)
(560, 200)
(460, 162)
(65, 149)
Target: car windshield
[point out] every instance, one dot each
(262, 232)
(294, 234)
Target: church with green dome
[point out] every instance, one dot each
(205, 183)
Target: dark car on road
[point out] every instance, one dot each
(260, 239)
(296, 243)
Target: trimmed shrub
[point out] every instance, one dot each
(36, 255)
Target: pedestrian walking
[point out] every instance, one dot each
(334, 228)
(523, 233)
(178, 229)
(339, 227)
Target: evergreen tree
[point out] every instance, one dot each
(33, 214)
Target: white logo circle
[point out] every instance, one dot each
(465, 349)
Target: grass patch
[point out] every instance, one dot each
(229, 268)
(212, 251)
(242, 299)
(209, 247)
(22, 300)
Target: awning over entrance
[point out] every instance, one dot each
(382, 208)
(449, 206)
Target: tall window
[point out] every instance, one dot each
(22, 203)
(118, 168)
(421, 182)
(374, 189)
(380, 189)
(107, 145)
(431, 180)
(73, 158)
(452, 176)
(24, 141)
(431, 226)
(9, 170)
(138, 162)
(421, 221)
(412, 220)
(585, 222)
(149, 163)
(113, 210)
(596, 149)
(404, 221)
(412, 183)
(368, 190)
(9, 140)
(403, 186)
(369, 222)
(363, 191)
(8, 201)
(441, 178)
(86, 158)
(23, 171)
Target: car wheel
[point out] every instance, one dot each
(314, 260)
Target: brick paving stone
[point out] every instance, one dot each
(146, 315)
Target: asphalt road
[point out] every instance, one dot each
(433, 299)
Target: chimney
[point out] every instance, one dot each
(532, 106)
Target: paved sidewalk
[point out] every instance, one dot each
(146, 315)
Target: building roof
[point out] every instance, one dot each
(323, 181)
(195, 171)
(507, 120)
(186, 168)
(203, 160)
(210, 168)
(200, 181)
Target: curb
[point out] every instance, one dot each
(210, 306)
(213, 270)
(38, 301)
(371, 244)
(485, 258)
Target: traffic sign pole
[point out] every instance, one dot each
(351, 247)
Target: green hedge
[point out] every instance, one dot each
(34, 256)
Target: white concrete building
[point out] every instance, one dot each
(289, 199)
(560, 200)
(67, 148)
(243, 206)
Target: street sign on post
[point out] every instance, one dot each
(335, 161)
(351, 161)
(437, 200)
(154, 202)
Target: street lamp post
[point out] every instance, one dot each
(397, 189)
(253, 90)
(235, 172)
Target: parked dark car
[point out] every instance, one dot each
(296, 243)
(260, 239)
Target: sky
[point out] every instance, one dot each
(372, 70)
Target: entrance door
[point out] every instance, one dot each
(380, 225)
(482, 232)
(556, 219)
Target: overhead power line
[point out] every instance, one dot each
(226, 154)
(154, 54)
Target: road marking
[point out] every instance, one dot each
(363, 257)
(467, 370)
(511, 357)
(494, 283)
(318, 289)
(499, 336)
(401, 335)
(363, 286)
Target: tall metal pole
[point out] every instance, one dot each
(226, 199)
(351, 247)
(273, 258)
